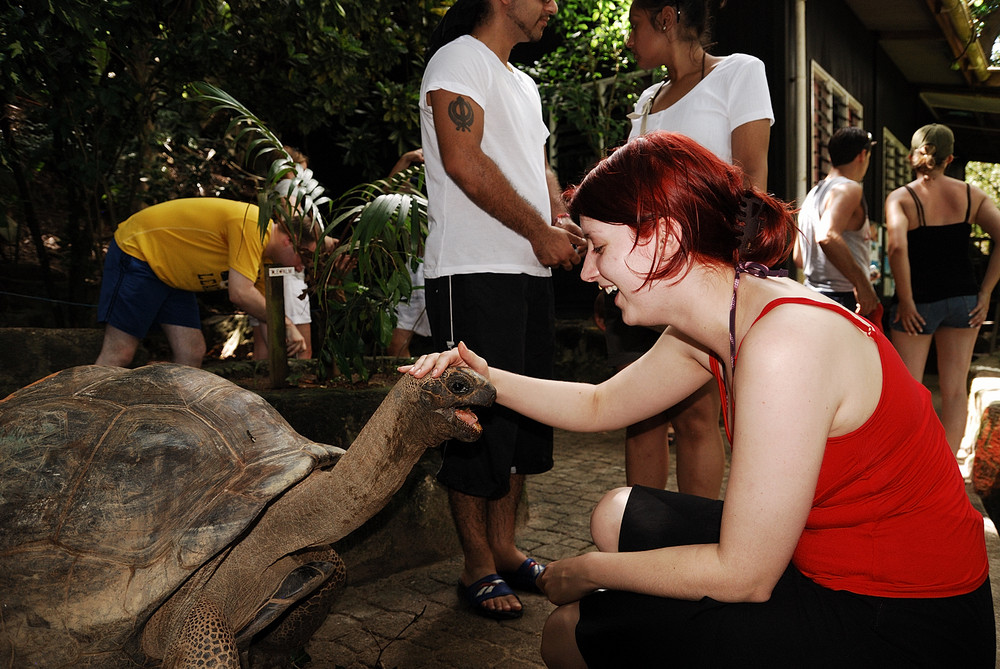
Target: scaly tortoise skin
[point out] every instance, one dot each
(164, 514)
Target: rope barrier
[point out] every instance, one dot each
(47, 299)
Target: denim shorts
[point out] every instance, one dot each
(133, 298)
(951, 312)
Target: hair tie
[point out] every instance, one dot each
(759, 270)
(748, 222)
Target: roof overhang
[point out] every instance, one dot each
(931, 42)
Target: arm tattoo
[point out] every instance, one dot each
(460, 112)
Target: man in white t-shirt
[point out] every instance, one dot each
(496, 227)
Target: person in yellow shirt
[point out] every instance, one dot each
(161, 256)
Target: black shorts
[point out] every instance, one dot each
(508, 319)
(626, 343)
(803, 624)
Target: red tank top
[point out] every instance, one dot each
(890, 516)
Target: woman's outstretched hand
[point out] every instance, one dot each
(436, 363)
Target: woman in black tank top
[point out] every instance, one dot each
(937, 295)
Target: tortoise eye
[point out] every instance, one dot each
(459, 386)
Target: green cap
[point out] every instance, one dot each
(937, 135)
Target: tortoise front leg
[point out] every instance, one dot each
(206, 641)
(293, 630)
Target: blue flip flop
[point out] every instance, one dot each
(488, 587)
(526, 576)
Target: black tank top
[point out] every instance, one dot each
(940, 264)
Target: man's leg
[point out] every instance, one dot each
(470, 516)
(647, 452)
(501, 518)
(130, 296)
(186, 344)
(487, 313)
(118, 347)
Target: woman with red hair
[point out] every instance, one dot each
(846, 537)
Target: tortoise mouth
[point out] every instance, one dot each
(466, 424)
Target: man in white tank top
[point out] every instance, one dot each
(833, 247)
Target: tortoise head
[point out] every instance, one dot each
(451, 397)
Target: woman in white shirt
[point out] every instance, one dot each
(721, 102)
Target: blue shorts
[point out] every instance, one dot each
(951, 312)
(133, 298)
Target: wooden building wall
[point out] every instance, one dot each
(761, 29)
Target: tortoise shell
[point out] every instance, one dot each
(116, 485)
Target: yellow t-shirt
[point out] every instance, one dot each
(192, 243)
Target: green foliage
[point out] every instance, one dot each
(361, 280)
(385, 224)
(987, 177)
(588, 83)
(96, 95)
(335, 64)
(986, 21)
(290, 191)
(104, 84)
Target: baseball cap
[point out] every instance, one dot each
(937, 135)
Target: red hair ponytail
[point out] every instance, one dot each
(670, 176)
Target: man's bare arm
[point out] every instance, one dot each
(839, 215)
(458, 124)
(245, 295)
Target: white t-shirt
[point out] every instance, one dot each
(733, 93)
(462, 238)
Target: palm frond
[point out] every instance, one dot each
(290, 189)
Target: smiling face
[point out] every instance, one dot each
(531, 17)
(617, 263)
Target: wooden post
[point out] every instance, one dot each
(274, 295)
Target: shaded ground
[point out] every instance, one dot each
(442, 632)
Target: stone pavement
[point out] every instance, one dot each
(414, 619)
(421, 606)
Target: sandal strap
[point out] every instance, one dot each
(488, 587)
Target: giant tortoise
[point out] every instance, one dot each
(164, 514)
